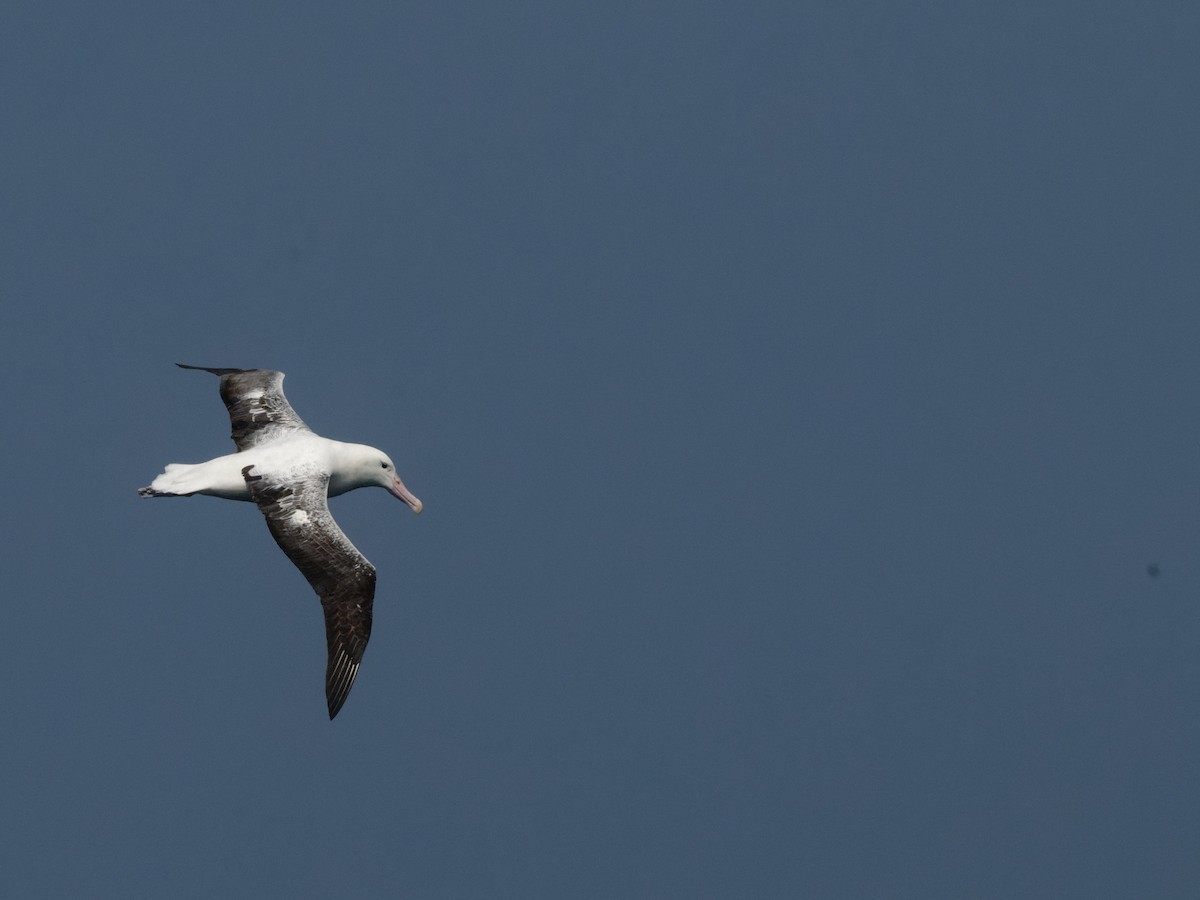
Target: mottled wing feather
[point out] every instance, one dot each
(258, 410)
(297, 514)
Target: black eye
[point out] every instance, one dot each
(383, 465)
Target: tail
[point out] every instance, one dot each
(163, 485)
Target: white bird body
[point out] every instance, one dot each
(348, 466)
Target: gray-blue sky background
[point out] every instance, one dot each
(798, 393)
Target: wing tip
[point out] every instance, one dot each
(215, 371)
(339, 679)
(335, 700)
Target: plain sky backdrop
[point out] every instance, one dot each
(799, 394)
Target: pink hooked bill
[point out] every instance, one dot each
(397, 489)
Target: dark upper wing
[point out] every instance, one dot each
(298, 515)
(257, 408)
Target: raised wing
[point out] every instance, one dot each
(257, 408)
(298, 516)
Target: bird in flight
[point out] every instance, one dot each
(289, 473)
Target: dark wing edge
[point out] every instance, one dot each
(297, 515)
(258, 410)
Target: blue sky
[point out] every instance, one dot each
(798, 394)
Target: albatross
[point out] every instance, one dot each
(289, 473)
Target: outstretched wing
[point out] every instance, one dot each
(257, 408)
(298, 516)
